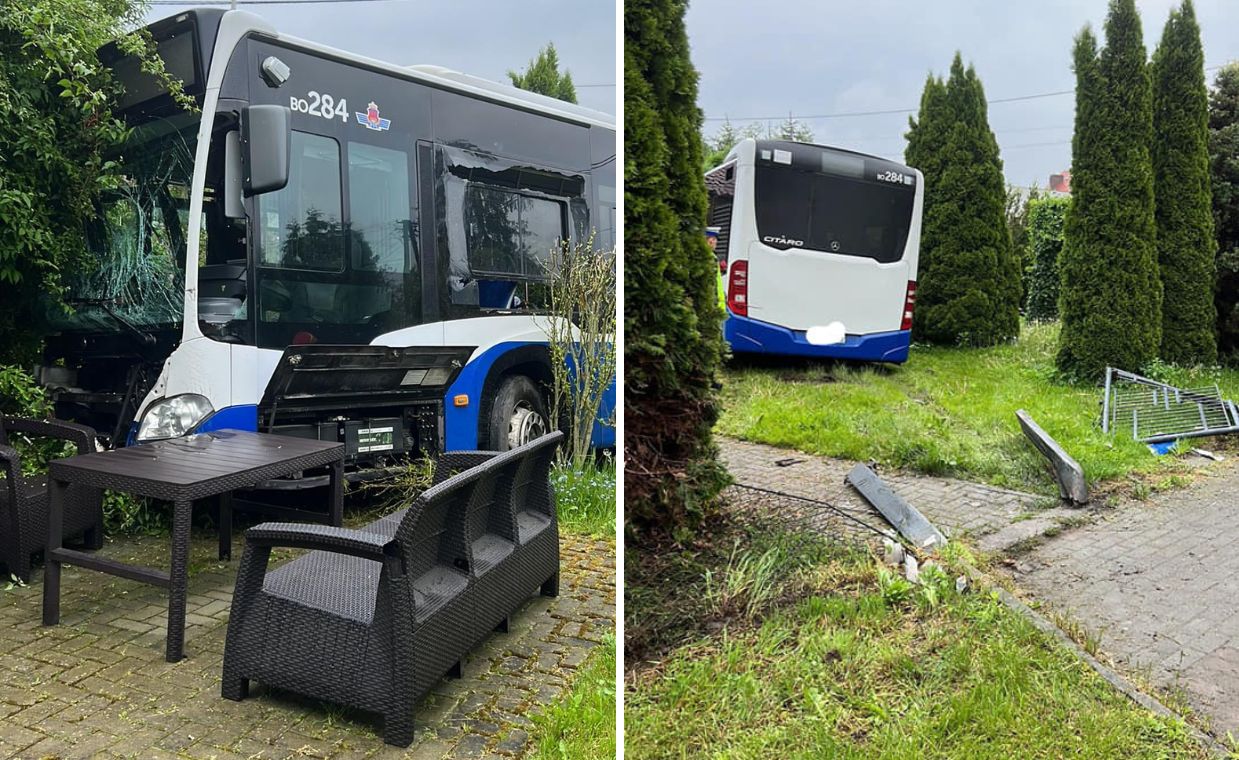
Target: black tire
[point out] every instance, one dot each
(518, 414)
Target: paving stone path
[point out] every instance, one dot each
(98, 686)
(1159, 582)
(957, 507)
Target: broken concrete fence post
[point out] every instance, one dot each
(910, 523)
(1067, 471)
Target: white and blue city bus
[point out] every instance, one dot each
(328, 246)
(820, 249)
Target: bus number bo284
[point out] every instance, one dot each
(315, 104)
(897, 178)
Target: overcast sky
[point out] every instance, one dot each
(484, 38)
(816, 57)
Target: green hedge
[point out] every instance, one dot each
(1045, 238)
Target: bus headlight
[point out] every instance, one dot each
(172, 417)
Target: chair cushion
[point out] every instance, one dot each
(334, 583)
(433, 588)
(489, 550)
(530, 524)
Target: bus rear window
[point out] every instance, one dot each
(800, 209)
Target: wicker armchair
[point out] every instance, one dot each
(374, 617)
(23, 500)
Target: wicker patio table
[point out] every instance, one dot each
(181, 471)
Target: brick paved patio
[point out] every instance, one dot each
(957, 507)
(1158, 581)
(98, 685)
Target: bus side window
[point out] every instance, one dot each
(384, 285)
(300, 245)
(300, 226)
(721, 185)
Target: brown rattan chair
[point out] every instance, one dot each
(23, 499)
(373, 617)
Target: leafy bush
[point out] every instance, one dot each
(56, 131)
(21, 396)
(1045, 239)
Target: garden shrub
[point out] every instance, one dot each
(1111, 298)
(1184, 213)
(969, 282)
(1045, 238)
(672, 320)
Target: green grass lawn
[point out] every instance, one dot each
(585, 499)
(581, 724)
(817, 652)
(947, 411)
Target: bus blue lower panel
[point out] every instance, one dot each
(746, 335)
(461, 422)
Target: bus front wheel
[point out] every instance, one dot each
(518, 415)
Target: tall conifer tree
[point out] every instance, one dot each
(969, 279)
(1111, 295)
(672, 320)
(1224, 171)
(1184, 213)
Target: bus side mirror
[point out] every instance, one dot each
(266, 145)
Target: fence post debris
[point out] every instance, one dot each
(910, 523)
(1067, 471)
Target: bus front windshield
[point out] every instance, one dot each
(137, 245)
(833, 214)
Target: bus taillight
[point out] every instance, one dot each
(909, 305)
(738, 289)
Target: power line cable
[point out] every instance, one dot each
(849, 114)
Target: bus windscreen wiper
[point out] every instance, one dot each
(145, 338)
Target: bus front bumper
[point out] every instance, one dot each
(746, 335)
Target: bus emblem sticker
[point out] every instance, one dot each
(371, 119)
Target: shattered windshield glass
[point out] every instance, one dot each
(137, 239)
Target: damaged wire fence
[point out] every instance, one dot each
(1156, 412)
(846, 521)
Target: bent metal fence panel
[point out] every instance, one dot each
(1155, 412)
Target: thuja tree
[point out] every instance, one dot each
(1224, 171)
(56, 130)
(1111, 299)
(542, 76)
(1019, 202)
(1184, 212)
(673, 341)
(1045, 241)
(969, 290)
(927, 131)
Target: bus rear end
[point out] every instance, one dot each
(821, 252)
